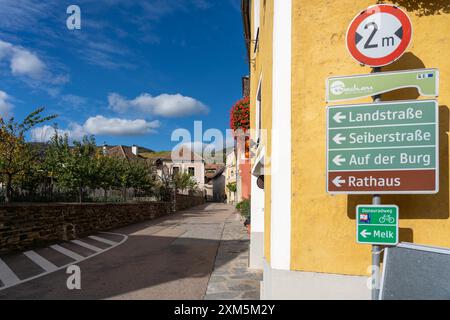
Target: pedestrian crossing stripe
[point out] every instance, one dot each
(8, 277)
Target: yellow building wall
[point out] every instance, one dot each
(323, 226)
(261, 68)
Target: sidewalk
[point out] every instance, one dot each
(231, 278)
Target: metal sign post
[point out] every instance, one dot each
(376, 249)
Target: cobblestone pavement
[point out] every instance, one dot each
(231, 278)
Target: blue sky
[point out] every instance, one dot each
(136, 71)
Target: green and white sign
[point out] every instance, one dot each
(383, 148)
(360, 86)
(377, 225)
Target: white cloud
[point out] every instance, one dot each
(5, 104)
(5, 49)
(22, 61)
(98, 125)
(164, 105)
(45, 133)
(73, 101)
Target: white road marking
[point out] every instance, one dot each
(7, 276)
(66, 252)
(103, 240)
(86, 245)
(12, 284)
(41, 261)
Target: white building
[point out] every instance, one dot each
(231, 176)
(180, 161)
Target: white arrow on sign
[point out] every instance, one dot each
(338, 182)
(338, 160)
(338, 117)
(364, 233)
(339, 138)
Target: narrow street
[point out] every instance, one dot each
(168, 258)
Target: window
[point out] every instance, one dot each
(175, 170)
(192, 172)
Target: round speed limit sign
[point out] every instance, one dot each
(379, 35)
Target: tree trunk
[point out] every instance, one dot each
(8, 193)
(80, 195)
(51, 188)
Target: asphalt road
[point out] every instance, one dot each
(168, 258)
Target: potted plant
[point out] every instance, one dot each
(240, 115)
(244, 208)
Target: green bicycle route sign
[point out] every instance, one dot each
(383, 148)
(344, 88)
(377, 225)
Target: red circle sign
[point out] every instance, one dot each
(379, 35)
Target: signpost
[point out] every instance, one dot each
(361, 86)
(379, 35)
(377, 224)
(382, 148)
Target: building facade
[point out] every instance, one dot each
(215, 182)
(302, 237)
(231, 176)
(179, 161)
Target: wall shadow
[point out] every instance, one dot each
(406, 235)
(416, 206)
(423, 7)
(407, 62)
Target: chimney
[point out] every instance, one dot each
(134, 149)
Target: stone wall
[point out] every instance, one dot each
(25, 226)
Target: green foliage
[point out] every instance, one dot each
(232, 187)
(78, 168)
(184, 181)
(244, 208)
(17, 158)
(83, 166)
(60, 171)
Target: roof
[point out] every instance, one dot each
(245, 9)
(123, 152)
(183, 155)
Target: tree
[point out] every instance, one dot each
(184, 181)
(57, 154)
(79, 169)
(16, 155)
(136, 174)
(165, 185)
(108, 174)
